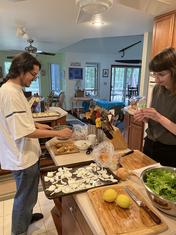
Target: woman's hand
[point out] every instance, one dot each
(139, 116)
(43, 126)
(151, 113)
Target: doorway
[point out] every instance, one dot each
(123, 79)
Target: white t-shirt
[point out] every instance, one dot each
(17, 152)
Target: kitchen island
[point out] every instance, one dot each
(75, 214)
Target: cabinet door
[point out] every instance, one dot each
(174, 35)
(126, 125)
(73, 221)
(163, 33)
(136, 137)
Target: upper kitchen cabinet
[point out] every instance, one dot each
(164, 32)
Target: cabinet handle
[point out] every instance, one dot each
(71, 209)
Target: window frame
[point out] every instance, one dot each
(92, 91)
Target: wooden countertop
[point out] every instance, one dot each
(133, 161)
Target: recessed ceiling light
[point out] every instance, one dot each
(97, 21)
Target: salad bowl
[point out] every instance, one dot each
(160, 185)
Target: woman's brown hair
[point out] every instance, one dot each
(165, 60)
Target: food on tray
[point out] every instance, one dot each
(65, 147)
(45, 114)
(67, 180)
(109, 195)
(123, 201)
(122, 173)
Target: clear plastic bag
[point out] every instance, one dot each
(80, 132)
(103, 154)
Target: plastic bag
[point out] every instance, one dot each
(142, 103)
(80, 132)
(103, 154)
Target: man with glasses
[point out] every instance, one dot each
(20, 149)
(160, 143)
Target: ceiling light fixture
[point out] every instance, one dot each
(97, 21)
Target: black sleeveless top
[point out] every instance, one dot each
(165, 103)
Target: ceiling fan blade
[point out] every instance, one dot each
(129, 61)
(10, 56)
(45, 53)
(83, 16)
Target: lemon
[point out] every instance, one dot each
(123, 201)
(109, 195)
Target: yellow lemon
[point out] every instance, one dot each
(109, 195)
(123, 201)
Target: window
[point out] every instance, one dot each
(34, 87)
(55, 77)
(91, 79)
(6, 67)
(124, 77)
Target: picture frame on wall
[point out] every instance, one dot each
(105, 73)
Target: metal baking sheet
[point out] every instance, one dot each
(75, 166)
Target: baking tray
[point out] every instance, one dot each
(74, 167)
(40, 115)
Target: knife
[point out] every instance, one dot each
(140, 203)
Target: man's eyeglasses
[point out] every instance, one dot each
(34, 75)
(159, 74)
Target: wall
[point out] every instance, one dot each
(105, 60)
(103, 51)
(45, 61)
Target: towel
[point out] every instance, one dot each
(140, 170)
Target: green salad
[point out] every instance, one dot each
(162, 182)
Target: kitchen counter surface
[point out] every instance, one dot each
(131, 162)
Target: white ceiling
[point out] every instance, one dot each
(52, 23)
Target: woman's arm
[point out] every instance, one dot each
(151, 113)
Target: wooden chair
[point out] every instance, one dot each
(132, 91)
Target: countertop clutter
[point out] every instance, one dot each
(89, 214)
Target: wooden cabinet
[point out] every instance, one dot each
(68, 218)
(164, 32)
(134, 132)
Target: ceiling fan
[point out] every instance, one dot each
(89, 8)
(31, 49)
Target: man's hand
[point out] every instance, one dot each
(64, 133)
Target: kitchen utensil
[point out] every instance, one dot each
(167, 206)
(144, 206)
(82, 144)
(116, 220)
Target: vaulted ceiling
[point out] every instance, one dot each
(52, 23)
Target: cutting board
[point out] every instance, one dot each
(115, 220)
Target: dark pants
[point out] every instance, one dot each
(27, 181)
(165, 154)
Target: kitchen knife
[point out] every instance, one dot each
(140, 203)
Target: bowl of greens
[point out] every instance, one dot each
(160, 185)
